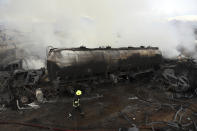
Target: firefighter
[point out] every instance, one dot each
(76, 104)
(76, 99)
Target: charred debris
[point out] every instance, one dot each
(87, 69)
(76, 68)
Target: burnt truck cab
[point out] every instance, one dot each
(73, 64)
(9, 60)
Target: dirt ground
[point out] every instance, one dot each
(108, 108)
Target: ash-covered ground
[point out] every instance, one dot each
(124, 106)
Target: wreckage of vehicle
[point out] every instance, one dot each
(80, 67)
(70, 69)
(76, 68)
(19, 85)
(16, 83)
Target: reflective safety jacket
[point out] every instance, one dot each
(76, 102)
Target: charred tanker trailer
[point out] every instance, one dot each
(75, 66)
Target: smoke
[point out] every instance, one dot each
(186, 27)
(36, 24)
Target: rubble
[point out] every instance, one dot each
(39, 95)
(18, 84)
(29, 89)
(27, 106)
(2, 108)
(6, 94)
(177, 76)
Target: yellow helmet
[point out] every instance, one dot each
(78, 92)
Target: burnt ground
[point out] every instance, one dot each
(117, 106)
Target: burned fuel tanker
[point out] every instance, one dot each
(76, 66)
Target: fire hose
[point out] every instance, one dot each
(56, 129)
(34, 125)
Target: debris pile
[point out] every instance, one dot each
(178, 77)
(19, 85)
(5, 91)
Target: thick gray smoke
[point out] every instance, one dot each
(94, 23)
(186, 27)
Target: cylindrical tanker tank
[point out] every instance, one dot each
(73, 63)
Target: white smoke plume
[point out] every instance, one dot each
(186, 27)
(94, 23)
